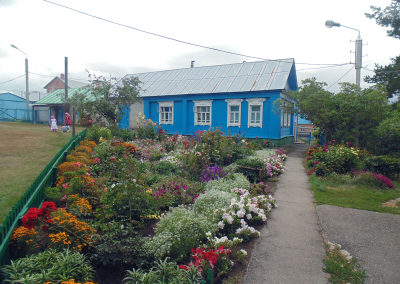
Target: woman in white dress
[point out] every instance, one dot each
(53, 125)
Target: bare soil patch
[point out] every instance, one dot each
(392, 203)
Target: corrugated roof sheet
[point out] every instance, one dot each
(238, 77)
(54, 97)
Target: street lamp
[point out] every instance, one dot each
(27, 80)
(330, 24)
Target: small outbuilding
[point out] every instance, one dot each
(233, 97)
(13, 107)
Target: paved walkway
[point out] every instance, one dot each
(372, 238)
(290, 248)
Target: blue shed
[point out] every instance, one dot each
(235, 97)
(13, 107)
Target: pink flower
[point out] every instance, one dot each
(96, 160)
(334, 141)
(257, 137)
(92, 180)
(350, 144)
(78, 164)
(318, 145)
(65, 185)
(198, 153)
(87, 174)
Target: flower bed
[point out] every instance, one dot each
(107, 193)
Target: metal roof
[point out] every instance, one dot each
(55, 99)
(238, 77)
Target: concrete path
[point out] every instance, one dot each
(372, 238)
(290, 248)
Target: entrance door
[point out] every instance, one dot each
(125, 119)
(60, 115)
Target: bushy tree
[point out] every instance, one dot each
(352, 113)
(388, 75)
(388, 17)
(105, 99)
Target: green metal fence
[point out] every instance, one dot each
(34, 196)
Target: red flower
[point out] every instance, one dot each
(183, 267)
(30, 219)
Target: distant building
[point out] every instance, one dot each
(13, 107)
(59, 83)
(304, 127)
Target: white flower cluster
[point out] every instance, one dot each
(246, 228)
(171, 159)
(224, 241)
(274, 166)
(263, 153)
(226, 184)
(175, 228)
(211, 201)
(283, 157)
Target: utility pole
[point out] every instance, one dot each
(66, 106)
(358, 54)
(27, 86)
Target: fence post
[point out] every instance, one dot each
(210, 277)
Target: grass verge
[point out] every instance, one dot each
(25, 150)
(351, 193)
(343, 270)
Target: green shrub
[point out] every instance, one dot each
(127, 135)
(49, 266)
(120, 247)
(55, 195)
(95, 133)
(226, 184)
(177, 232)
(383, 165)
(164, 168)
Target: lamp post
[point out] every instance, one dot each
(330, 24)
(27, 80)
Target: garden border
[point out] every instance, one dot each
(34, 196)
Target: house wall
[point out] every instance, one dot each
(184, 116)
(57, 84)
(135, 109)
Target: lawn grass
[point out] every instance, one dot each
(25, 150)
(353, 195)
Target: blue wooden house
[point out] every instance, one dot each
(235, 97)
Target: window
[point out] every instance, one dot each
(202, 112)
(255, 112)
(288, 119)
(166, 112)
(234, 111)
(302, 130)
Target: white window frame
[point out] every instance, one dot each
(161, 105)
(231, 103)
(202, 103)
(256, 102)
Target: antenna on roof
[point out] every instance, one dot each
(192, 64)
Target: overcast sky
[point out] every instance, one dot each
(267, 29)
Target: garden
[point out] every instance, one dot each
(147, 207)
(348, 176)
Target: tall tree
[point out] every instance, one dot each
(388, 17)
(388, 76)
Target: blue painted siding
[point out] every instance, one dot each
(184, 116)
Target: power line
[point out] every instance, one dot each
(12, 79)
(177, 40)
(323, 67)
(381, 71)
(340, 78)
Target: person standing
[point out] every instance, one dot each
(53, 124)
(68, 121)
